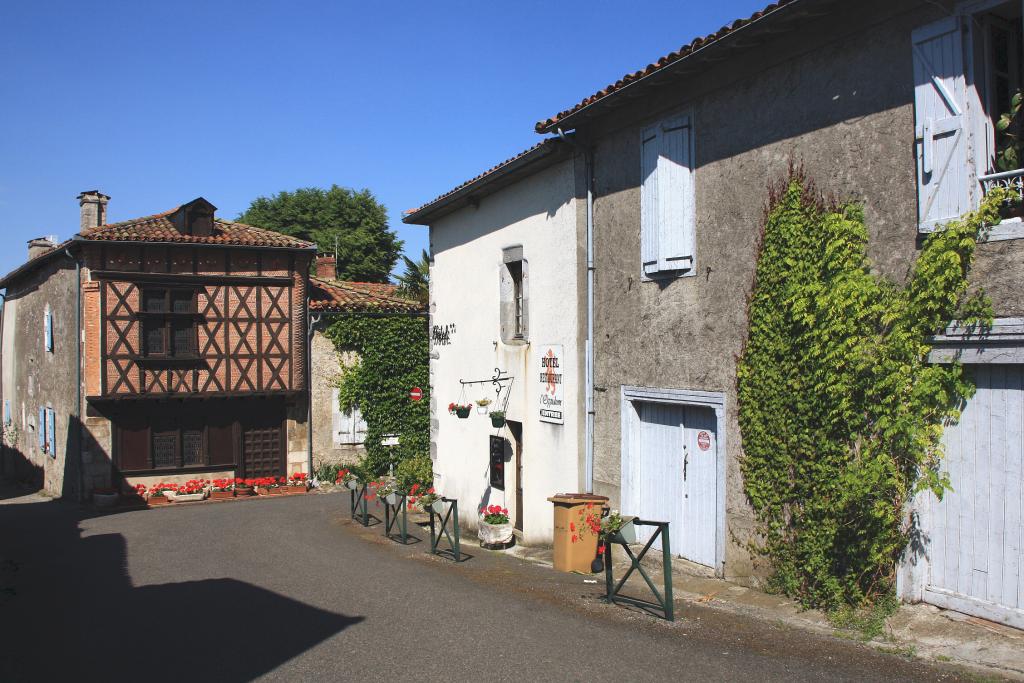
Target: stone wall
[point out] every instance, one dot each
(327, 363)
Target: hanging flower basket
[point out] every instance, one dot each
(462, 413)
(626, 534)
(460, 410)
(497, 419)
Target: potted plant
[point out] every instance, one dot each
(460, 410)
(105, 497)
(243, 487)
(498, 418)
(158, 494)
(495, 528)
(481, 405)
(350, 480)
(618, 529)
(388, 491)
(191, 491)
(221, 489)
(297, 483)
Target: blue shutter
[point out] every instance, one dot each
(650, 143)
(7, 411)
(48, 329)
(41, 429)
(943, 186)
(51, 431)
(675, 196)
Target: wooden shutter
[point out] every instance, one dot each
(41, 429)
(7, 411)
(51, 431)
(650, 144)
(221, 440)
(943, 174)
(341, 420)
(675, 196)
(359, 425)
(48, 329)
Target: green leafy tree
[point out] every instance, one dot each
(352, 222)
(841, 413)
(415, 281)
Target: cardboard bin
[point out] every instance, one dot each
(570, 511)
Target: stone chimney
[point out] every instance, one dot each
(326, 267)
(94, 208)
(40, 245)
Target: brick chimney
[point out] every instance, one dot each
(94, 208)
(40, 245)
(326, 267)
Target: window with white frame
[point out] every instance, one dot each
(667, 202)
(967, 70)
(348, 425)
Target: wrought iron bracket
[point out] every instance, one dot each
(454, 549)
(498, 380)
(663, 604)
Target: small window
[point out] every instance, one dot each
(169, 323)
(514, 300)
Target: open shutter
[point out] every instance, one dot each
(48, 329)
(360, 425)
(943, 173)
(341, 420)
(41, 429)
(51, 431)
(675, 196)
(650, 144)
(7, 411)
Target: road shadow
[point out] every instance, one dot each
(70, 612)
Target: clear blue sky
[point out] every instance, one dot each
(158, 103)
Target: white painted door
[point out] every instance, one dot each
(974, 535)
(677, 477)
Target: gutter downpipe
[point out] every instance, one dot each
(312, 320)
(588, 439)
(78, 376)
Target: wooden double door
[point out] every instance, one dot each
(263, 439)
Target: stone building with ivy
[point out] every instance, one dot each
(895, 105)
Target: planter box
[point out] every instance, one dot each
(440, 507)
(154, 501)
(240, 493)
(273, 491)
(221, 495)
(627, 534)
(494, 534)
(189, 497)
(105, 500)
(393, 498)
(293, 490)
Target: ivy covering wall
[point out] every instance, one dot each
(394, 353)
(841, 414)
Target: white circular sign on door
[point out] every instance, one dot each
(703, 440)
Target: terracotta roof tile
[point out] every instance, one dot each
(336, 296)
(160, 228)
(696, 44)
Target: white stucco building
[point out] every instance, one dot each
(506, 291)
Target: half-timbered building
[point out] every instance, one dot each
(172, 345)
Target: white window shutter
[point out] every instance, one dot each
(41, 429)
(48, 329)
(675, 196)
(650, 151)
(943, 173)
(360, 425)
(51, 431)
(340, 421)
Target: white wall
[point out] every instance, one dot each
(539, 213)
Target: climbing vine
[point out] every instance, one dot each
(393, 358)
(841, 414)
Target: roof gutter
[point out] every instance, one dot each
(566, 122)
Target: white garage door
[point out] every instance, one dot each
(974, 535)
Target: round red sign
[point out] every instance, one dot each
(703, 440)
(416, 393)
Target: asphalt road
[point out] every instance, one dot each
(288, 589)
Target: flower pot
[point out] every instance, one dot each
(104, 500)
(462, 413)
(275, 491)
(627, 534)
(221, 495)
(189, 497)
(495, 534)
(243, 491)
(439, 506)
(352, 484)
(153, 501)
(481, 410)
(497, 422)
(393, 498)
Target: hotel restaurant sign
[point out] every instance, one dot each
(551, 396)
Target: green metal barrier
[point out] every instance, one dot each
(664, 605)
(450, 516)
(358, 500)
(394, 514)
